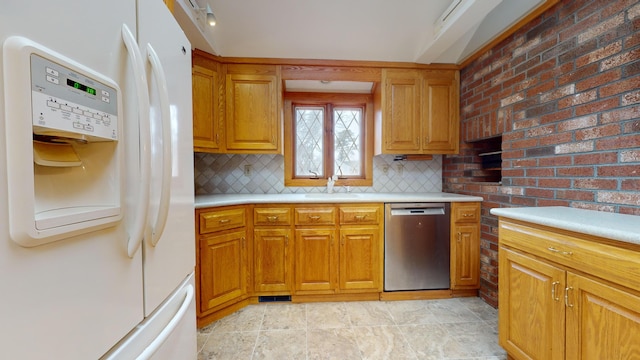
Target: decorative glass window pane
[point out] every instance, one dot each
(347, 142)
(308, 142)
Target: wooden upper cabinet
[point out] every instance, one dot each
(441, 101)
(253, 103)
(169, 4)
(420, 112)
(402, 112)
(206, 124)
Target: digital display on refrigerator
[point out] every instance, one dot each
(80, 86)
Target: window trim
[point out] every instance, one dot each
(334, 100)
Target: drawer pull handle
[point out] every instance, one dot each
(554, 286)
(467, 215)
(223, 221)
(566, 296)
(459, 236)
(552, 249)
(360, 217)
(314, 218)
(272, 218)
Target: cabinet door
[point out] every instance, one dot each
(531, 312)
(252, 112)
(360, 259)
(441, 102)
(466, 257)
(223, 269)
(272, 272)
(206, 136)
(402, 115)
(603, 322)
(315, 264)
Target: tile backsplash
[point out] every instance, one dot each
(225, 174)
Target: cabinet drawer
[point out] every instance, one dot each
(315, 216)
(272, 216)
(217, 220)
(466, 212)
(613, 263)
(360, 215)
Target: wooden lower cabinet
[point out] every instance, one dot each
(603, 322)
(334, 259)
(465, 245)
(273, 261)
(360, 259)
(312, 252)
(273, 250)
(531, 317)
(222, 265)
(566, 295)
(223, 268)
(315, 265)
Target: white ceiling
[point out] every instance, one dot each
(369, 30)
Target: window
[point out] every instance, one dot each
(325, 135)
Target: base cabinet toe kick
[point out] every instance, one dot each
(320, 252)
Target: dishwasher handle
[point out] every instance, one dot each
(412, 212)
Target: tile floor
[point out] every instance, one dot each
(460, 328)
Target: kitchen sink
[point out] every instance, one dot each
(336, 196)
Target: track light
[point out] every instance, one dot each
(211, 19)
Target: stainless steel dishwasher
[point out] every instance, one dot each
(416, 246)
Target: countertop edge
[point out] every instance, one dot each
(204, 201)
(615, 226)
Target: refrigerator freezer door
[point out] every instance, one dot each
(167, 333)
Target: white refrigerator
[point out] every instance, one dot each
(96, 182)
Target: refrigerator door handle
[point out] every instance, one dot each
(167, 160)
(164, 334)
(136, 233)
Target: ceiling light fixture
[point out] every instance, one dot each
(211, 19)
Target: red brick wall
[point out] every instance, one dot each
(563, 92)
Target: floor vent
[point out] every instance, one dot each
(274, 298)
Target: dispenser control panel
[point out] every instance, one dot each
(68, 103)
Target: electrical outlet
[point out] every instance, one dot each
(248, 170)
(400, 168)
(385, 169)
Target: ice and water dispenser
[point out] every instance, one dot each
(64, 152)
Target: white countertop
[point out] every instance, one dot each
(608, 225)
(203, 201)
